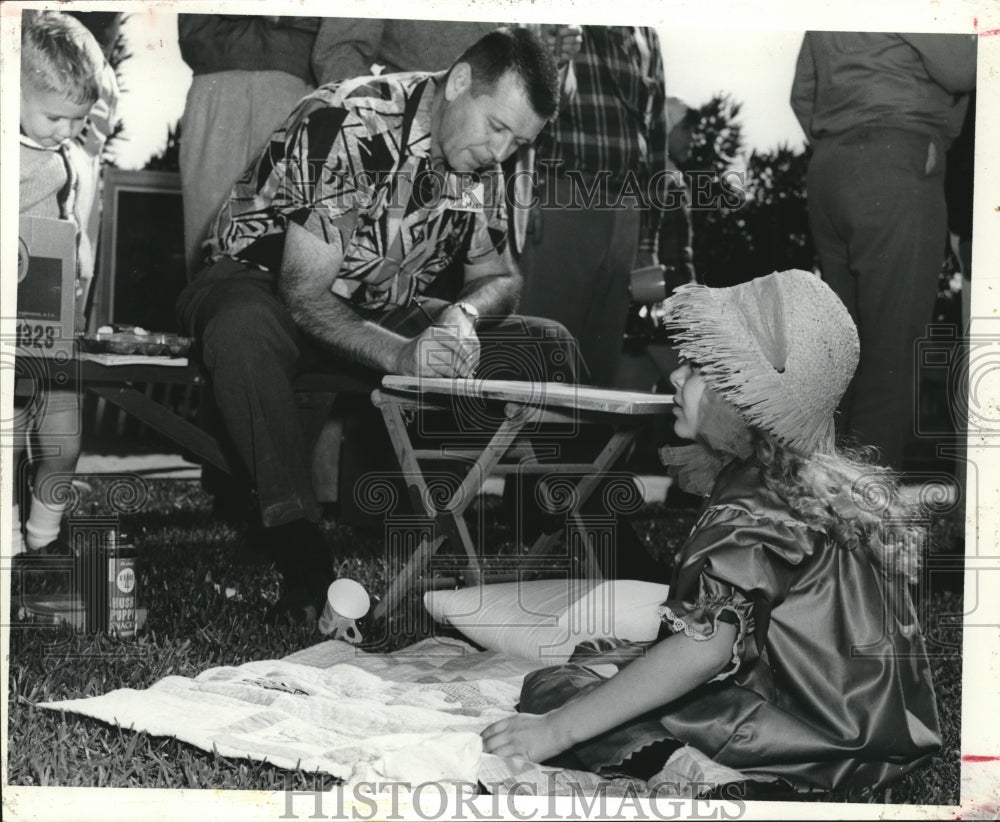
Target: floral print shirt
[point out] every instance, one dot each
(354, 165)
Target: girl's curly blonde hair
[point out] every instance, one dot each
(851, 498)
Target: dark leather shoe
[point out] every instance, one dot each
(302, 558)
(294, 608)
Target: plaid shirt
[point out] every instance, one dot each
(615, 118)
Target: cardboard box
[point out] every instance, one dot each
(46, 287)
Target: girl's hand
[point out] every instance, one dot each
(531, 735)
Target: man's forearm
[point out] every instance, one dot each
(338, 328)
(495, 296)
(494, 292)
(309, 268)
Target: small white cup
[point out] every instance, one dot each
(346, 602)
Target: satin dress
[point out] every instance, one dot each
(829, 683)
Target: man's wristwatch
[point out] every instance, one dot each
(469, 310)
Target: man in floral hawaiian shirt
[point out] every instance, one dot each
(322, 255)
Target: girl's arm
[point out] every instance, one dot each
(669, 670)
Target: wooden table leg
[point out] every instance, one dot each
(449, 522)
(451, 519)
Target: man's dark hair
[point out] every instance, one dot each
(519, 51)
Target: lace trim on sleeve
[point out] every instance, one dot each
(680, 626)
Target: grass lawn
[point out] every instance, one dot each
(206, 606)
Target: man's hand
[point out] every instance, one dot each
(565, 42)
(449, 348)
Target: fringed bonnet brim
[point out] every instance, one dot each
(781, 348)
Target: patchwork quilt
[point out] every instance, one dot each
(412, 716)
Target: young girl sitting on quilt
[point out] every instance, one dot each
(790, 647)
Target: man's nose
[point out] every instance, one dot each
(677, 377)
(501, 147)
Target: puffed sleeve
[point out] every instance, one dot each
(735, 567)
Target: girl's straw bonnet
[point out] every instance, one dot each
(781, 348)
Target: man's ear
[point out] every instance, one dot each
(459, 80)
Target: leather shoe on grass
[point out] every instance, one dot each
(302, 558)
(296, 606)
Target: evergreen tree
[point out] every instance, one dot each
(716, 188)
(747, 220)
(169, 158)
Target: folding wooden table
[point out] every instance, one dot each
(527, 409)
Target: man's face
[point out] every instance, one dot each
(48, 118)
(476, 132)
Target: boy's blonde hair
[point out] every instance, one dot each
(59, 55)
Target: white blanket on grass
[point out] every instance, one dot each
(413, 716)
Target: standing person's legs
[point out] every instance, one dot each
(608, 310)
(895, 223)
(18, 447)
(252, 350)
(58, 440)
(829, 204)
(228, 117)
(898, 260)
(576, 262)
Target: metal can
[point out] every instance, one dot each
(122, 585)
(107, 583)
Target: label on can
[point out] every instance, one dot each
(121, 594)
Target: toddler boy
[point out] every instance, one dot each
(61, 75)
